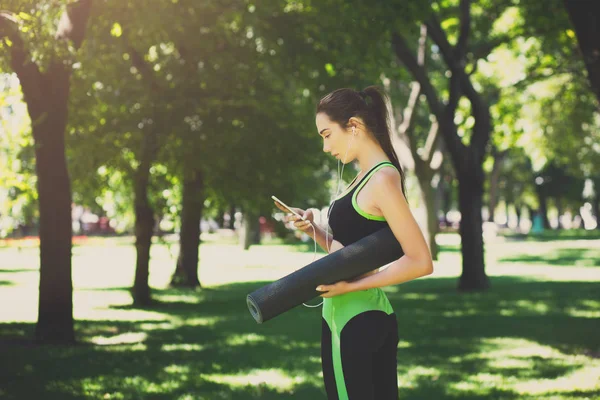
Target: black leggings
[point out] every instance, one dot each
(368, 346)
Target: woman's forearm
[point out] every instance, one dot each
(320, 236)
(402, 270)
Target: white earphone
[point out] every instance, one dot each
(330, 208)
(340, 175)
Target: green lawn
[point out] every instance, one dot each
(534, 335)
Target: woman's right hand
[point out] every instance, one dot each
(302, 225)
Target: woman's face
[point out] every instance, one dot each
(337, 141)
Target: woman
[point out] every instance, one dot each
(359, 329)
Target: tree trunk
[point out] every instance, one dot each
(559, 209)
(231, 217)
(55, 309)
(494, 178)
(186, 272)
(250, 230)
(596, 209)
(518, 212)
(467, 160)
(47, 96)
(446, 193)
(543, 209)
(473, 267)
(585, 16)
(438, 194)
(531, 213)
(144, 222)
(433, 226)
(221, 218)
(428, 197)
(442, 198)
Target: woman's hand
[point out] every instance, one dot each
(336, 289)
(302, 225)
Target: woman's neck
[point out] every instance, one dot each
(371, 157)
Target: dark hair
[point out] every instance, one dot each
(370, 105)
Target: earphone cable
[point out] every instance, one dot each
(339, 180)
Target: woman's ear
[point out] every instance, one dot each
(355, 124)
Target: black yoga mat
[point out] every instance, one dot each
(367, 254)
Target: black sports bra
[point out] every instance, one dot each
(347, 221)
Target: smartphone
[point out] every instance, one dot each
(287, 207)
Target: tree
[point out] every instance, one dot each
(45, 84)
(467, 159)
(218, 102)
(422, 151)
(499, 159)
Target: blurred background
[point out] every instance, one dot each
(141, 141)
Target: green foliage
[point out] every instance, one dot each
(570, 124)
(555, 181)
(230, 89)
(37, 21)
(517, 179)
(18, 195)
(217, 95)
(560, 112)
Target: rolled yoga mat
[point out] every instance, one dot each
(367, 254)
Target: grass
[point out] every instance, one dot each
(534, 335)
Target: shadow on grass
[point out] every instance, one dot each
(566, 257)
(449, 248)
(206, 343)
(12, 271)
(552, 235)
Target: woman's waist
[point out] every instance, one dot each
(373, 298)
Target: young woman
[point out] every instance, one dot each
(359, 328)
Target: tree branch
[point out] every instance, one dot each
(480, 110)
(418, 72)
(415, 91)
(445, 120)
(71, 27)
(454, 94)
(141, 65)
(422, 162)
(73, 22)
(404, 129)
(408, 111)
(422, 43)
(482, 50)
(28, 72)
(465, 28)
(431, 143)
(439, 37)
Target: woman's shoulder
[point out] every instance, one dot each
(386, 179)
(386, 176)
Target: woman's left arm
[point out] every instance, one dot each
(415, 262)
